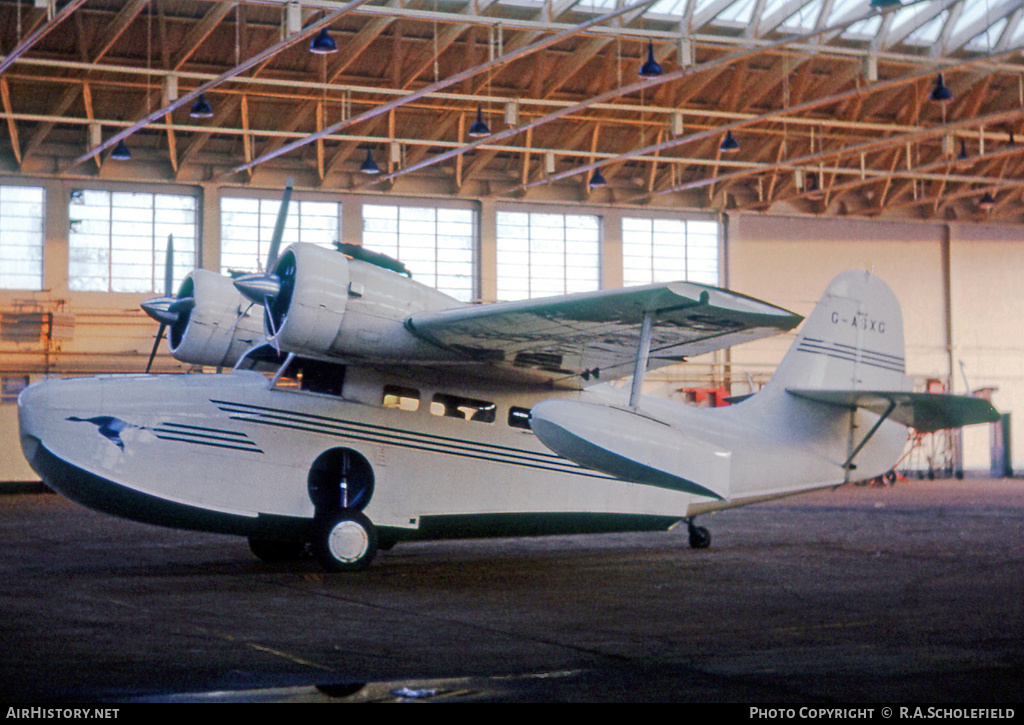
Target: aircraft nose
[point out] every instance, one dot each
(33, 406)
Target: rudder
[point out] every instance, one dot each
(853, 340)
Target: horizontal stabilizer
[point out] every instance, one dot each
(924, 412)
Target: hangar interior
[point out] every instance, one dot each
(512, 148)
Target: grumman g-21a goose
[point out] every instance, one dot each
(398, 413)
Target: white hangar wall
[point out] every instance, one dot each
(959, 285)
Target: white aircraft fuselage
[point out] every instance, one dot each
(400, 414)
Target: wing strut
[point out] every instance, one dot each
(888, 411)
(643, 351)
(280, 370)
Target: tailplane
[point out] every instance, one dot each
(850, 353)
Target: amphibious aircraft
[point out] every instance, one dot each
(388, 411)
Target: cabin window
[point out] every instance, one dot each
(454, 406)
(118, 240)
(313, 376)
(21, 237)
(247, 229)
(320, 377)
(519, 418)
(666, 250)
(397, 396)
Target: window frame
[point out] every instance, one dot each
(533, 246)
(38, 271)
(417, 267)
(267, 208)
(115, 258)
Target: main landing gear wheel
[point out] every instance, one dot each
(700, 537)
(345, 542)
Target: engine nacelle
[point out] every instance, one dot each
(330, 306)
(218, 327)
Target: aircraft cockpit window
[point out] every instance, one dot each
(519, 418)
(454, 406)
(396, 396)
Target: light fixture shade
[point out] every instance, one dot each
(120, 152)
(884, 3)
(940, 93)
(963, 155)
(323, 43)
(987, 202)
(729, 144)
(369, 165)
(597, 180)
(201, 108)
(650, 69)
(479, 127)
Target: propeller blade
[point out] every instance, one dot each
(156, 344)
(282, 216)
(169, 267)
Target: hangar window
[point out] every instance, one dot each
(436, 245)
(118, 239)
(247, 229)
(454, 406)
(542, 254)
(21, 237)
(665, 250)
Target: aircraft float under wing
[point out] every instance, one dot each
(399, 413)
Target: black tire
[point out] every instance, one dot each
(275, 551)
(700, 537)
(345, 541)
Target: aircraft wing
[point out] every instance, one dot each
(592, 336)
(924, 412)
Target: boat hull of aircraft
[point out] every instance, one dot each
(231, 454)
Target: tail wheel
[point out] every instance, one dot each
(345, 541)
(700, 537)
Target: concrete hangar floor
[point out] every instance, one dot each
(910, 593)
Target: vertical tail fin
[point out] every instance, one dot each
(853, 340)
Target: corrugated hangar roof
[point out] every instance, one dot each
(835, 105)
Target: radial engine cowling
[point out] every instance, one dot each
(306, 310)
(217, 327)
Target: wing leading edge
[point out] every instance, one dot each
(592, 336)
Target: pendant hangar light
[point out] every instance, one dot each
(940, 93)
(597, 180)
(987, 202)
(323, 43)
(201, 108)
(729, 144)
(369, 166)
(479, 129)
(651, 68)
(120, 152)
